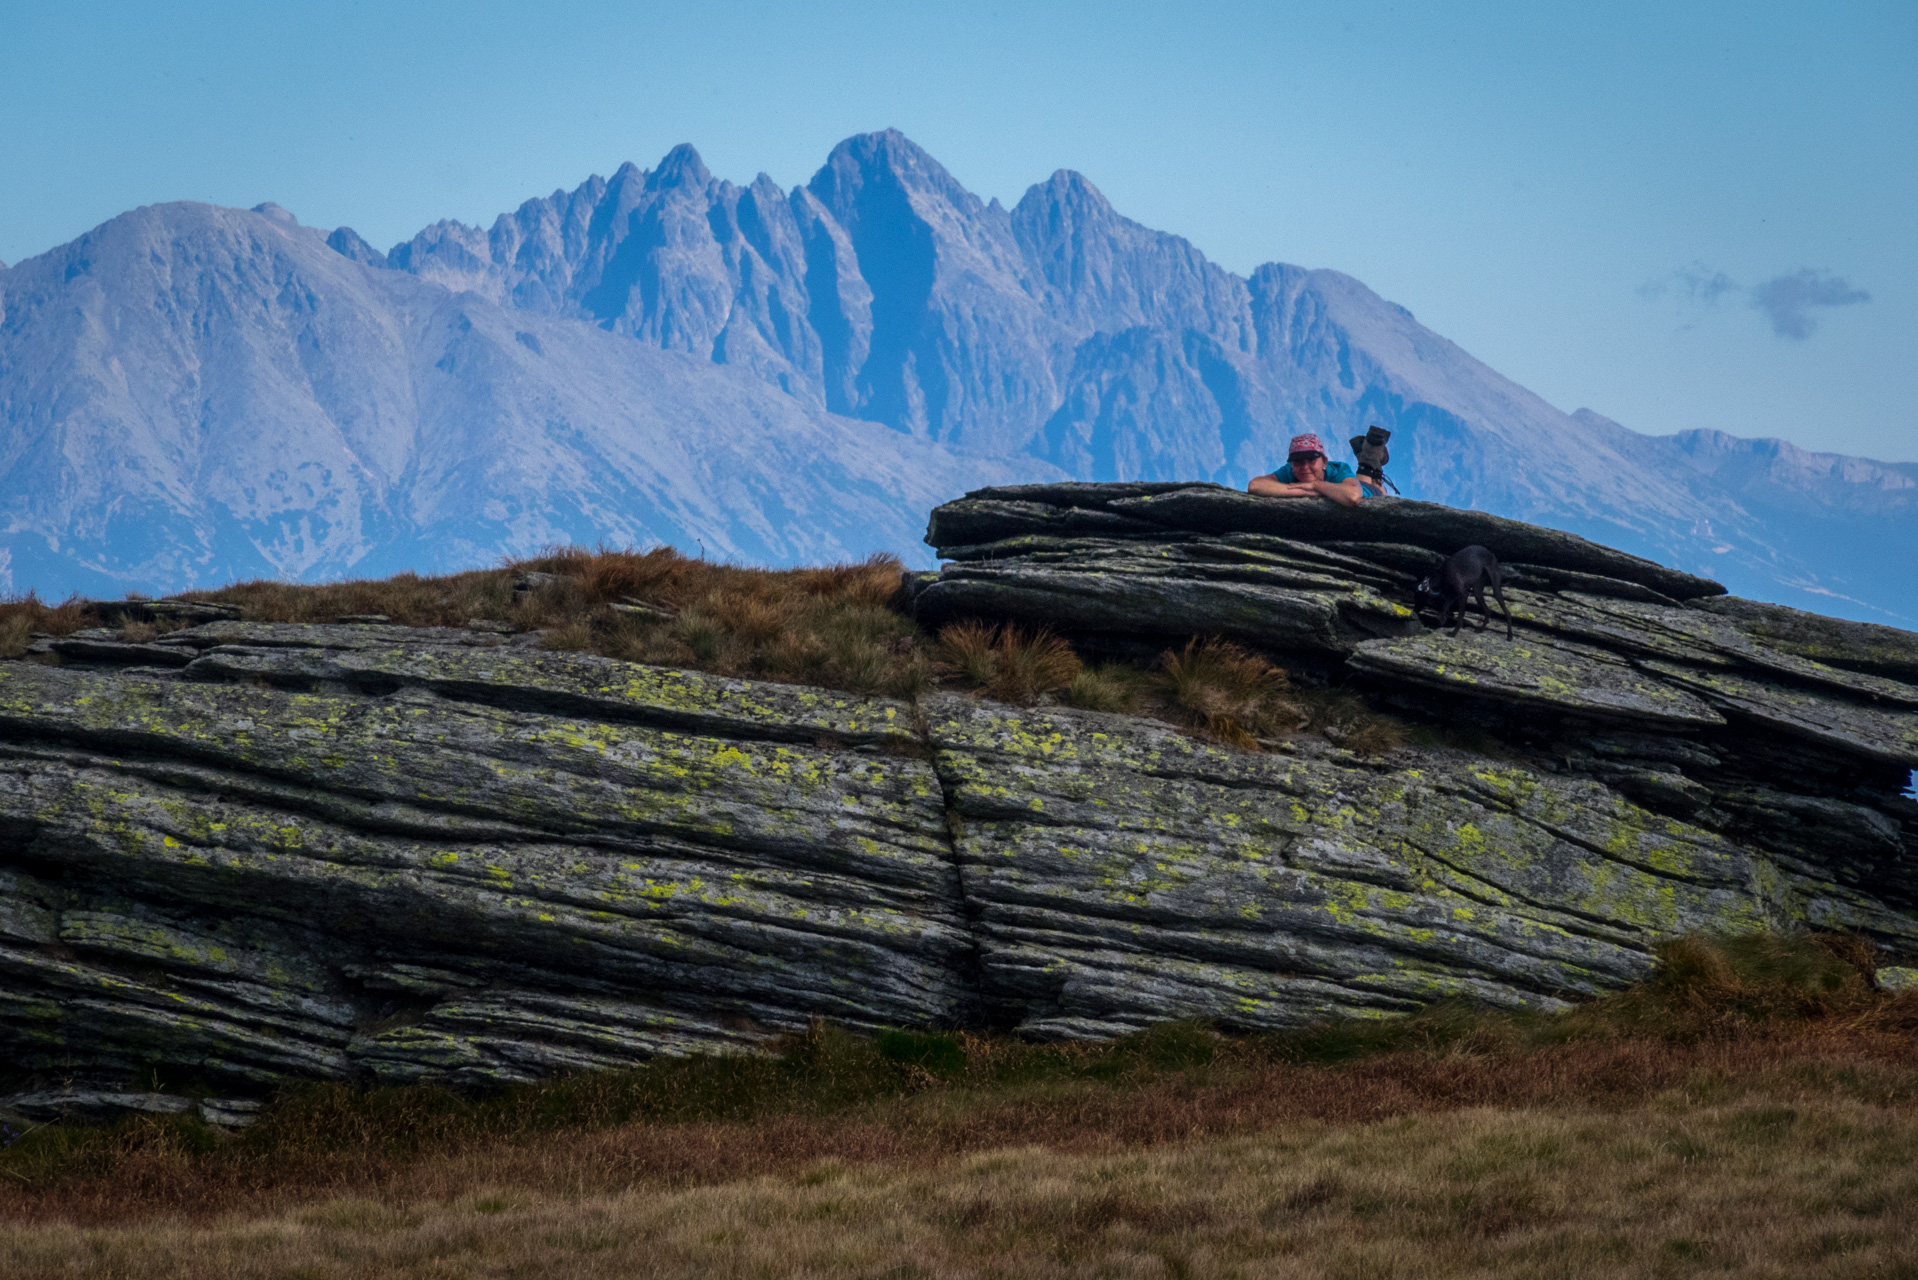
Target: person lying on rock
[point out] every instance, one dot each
(1307, 474)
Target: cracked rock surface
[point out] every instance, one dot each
(244, 853)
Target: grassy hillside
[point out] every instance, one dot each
(1753, 1109)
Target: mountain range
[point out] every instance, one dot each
(190, 394)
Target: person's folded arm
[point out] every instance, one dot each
(1268, 486)
(1345, 492)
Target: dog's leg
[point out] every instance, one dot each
(1451, 603)
(1485, 615)
(1499, 591)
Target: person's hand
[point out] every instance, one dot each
(1268, 487)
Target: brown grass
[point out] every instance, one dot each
(1228, 693)
(831, 626)
(1788, 1017)
(1751, 1109)
(1631, 1158)
(22, 617)
(1008, 662)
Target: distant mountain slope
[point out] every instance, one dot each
(883, 289)
(193, 394)
(186, 397)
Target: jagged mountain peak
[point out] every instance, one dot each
(886, 158)
(348, 243)
(1070, 188)
(680, 167)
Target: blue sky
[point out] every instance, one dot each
(1696, 215)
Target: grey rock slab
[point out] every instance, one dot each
(1101, 854)
(1877, 732)
(1698, 637)
(1400, 557)
(1533, 671)
(1438, 528)
(506, 1036)
(95, 1104)
(1863, 646)
(174, 609)
(1093, 495)
(1247, 557)
(1326, 616)
(559, 773)
(325, 635)
(975, 520)
(712, 927)
(1051, 545)
(1336, 559)
(58, 1011)
(585, 684)
(112, 652)
(230, 1113)
(29, 908)
(1548, 578)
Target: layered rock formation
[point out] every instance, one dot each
(244, 852)
(1787, 732)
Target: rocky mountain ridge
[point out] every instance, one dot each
(189, 395)
(1061, 330)
(241, 853)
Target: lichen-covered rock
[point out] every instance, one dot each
(1124, 874)
(238, 880)
(1862, 646)
(1545, 673)
(1602, 637)
(242, 853)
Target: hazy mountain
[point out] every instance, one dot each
(190, 393)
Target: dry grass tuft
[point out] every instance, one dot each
(1229, 693)
(831, 626)
(1008, 662)
(1708, 987)
(21, 617)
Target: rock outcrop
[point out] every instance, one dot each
(243, 853)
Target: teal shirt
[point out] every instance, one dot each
(1334, 473)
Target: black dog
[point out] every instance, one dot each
(1464, 575)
